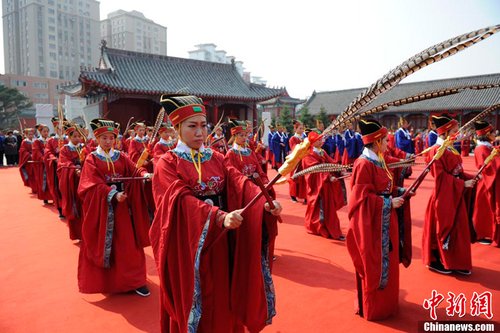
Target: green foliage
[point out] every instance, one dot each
(322, 116)
(306, 118)
(286, 119)
(11, 102)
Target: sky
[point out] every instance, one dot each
(319, 45)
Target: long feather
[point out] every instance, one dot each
(429, 56)
(332, 167)
(215, 128)
(159, 120)
(468, 126)
(323, 167)
(422, 97)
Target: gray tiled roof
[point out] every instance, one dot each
(335, 102)
(140, 73)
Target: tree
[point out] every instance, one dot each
(322, 116)
(306, 118)
(11, 102)
(286, 119)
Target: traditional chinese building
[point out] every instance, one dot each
(129, 84)
(463, 105)
(277, 104)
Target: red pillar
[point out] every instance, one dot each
(216, 113)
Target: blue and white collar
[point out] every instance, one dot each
(439, 141)
(141, 140)
(184, 148)
(99, 151)
(484, 143)
(370, 154)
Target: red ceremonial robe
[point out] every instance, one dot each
(160, 148)
(373, 237)
(50, 157)
(25, 167)
(205, 285)
(324, 198)
(393, 155)
(297, 186)
(113, 233)
(39, 171)
(446, 225)
(67, 166)
(487, 215)
(246, 161)
(135, 149)
(219, 144)
(465, 147)
(90, 146)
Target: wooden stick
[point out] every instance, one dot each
(259, 183)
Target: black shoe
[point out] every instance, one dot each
(294, 199)
(485, 241)
(439, 268)
(45, 202)
(61, 216)
(463, 271)
(341, 238)
(143, 291)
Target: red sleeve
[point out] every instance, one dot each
(179, 222)
(68, 183)
(365, 209)
(449, 191)
(135, 150)
(96, 196)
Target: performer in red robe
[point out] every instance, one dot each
(135, 150)
(71, 158)
(25, 160)
(446, 234)
(90, 146)
(324, 194)
(244, 159)
(297, 186)
(51, 154)
(393, 155)
(167, 142)
(465, 147)
(391, 142)
(218, 141)
(38, 151)
(486, 217)
(373, 236)
(419, 145)
(210, 280)
(115, 221)
(130, 135)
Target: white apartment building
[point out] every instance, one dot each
(209, 52)
(50, 38)
(134, 32)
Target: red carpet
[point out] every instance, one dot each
(313, 276)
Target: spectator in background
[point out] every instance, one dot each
(432, 135)
(2, 138)
(19, 138)
(10, 148)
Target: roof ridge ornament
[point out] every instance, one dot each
(104, 63)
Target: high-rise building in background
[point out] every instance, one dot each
(134, 32)
(50, 38)
(208, 52)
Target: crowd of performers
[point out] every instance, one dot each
(184, 193)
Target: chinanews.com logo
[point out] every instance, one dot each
(480, 305)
